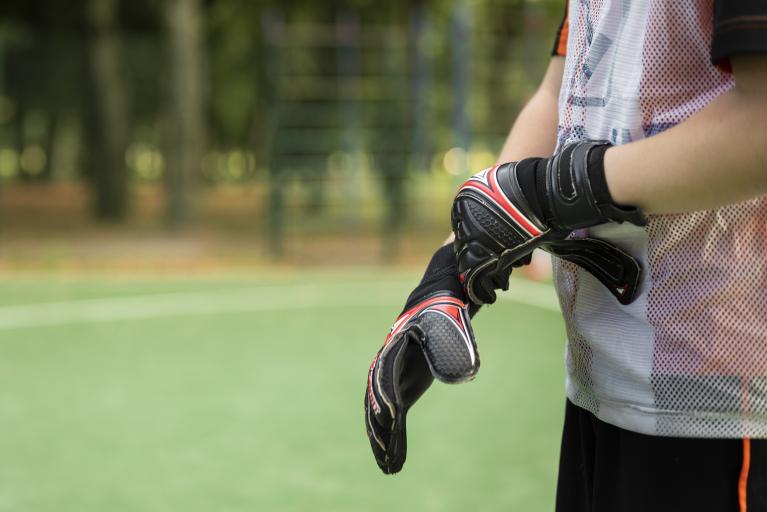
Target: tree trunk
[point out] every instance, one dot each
(460, 51)
(110, 133)
(273, 28)
(420, 86)
(186, 132)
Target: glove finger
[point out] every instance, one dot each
(482, 281)
(377, 434)
(448, 342)
(478, 284)
(397, 378)
(501, 280)
(524, 260)
(388, 441)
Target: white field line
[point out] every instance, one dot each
(241, 300)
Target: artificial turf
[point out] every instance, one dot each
(260, 408)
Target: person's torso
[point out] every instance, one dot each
(689, 356)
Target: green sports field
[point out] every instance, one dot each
(244, 393)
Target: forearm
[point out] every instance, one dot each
(715, 158)
(534, 132)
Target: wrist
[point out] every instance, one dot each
(596, 175)
(611, 163)
(577, 189)
(441, 275)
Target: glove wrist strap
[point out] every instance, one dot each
(576, 189)
(604, 200)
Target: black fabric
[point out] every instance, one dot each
(596, 170)
(604, 468)
(598, 186)
(740, 26)
(530, 176)
(757, 477)
(576, 189)
(442, 263)
(616, 269)
(441, 275)
(405, 376)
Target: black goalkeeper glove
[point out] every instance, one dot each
(431, 338)
(502, 214)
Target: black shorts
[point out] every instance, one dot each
(604, 468)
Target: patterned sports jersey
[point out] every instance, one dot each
(689, 357)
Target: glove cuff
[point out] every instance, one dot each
(604, 201)
(576, 189)
(441, 276)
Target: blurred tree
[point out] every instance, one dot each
(109, 129)
(460, 46)
(272, 22)
(330, 99)
(186, 123)
(390, 137)
(233, 40)
(421, 71)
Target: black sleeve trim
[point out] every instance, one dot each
(740, 26)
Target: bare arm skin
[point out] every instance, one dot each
(716, 157)
(534, 132)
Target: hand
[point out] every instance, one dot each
(431, 338)
(502, 214)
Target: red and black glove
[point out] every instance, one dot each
(432, 337)
(502, 214)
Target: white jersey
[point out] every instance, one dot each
(689, 356)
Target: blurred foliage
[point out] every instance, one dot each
(305, 98)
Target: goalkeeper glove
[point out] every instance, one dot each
(502, 214)
(431, 338)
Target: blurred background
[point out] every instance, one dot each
(210, 213)
(252, 131)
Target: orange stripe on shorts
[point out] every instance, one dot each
(743, 481)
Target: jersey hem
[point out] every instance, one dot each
(655, 422)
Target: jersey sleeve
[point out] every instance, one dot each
(560, 41)
(740, 26)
